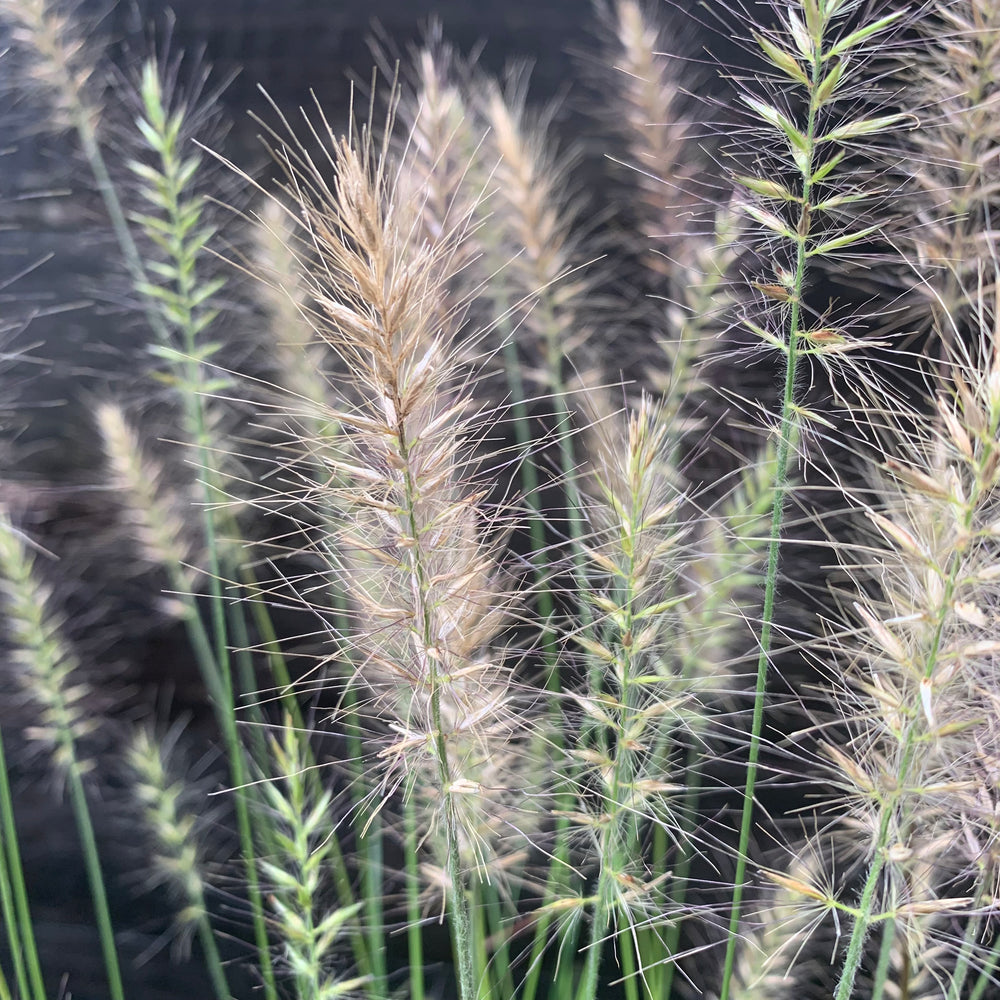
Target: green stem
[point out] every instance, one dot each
(461, 912)
(536, 523)
(555, 884)
(692, 792)
(787, 432)
(370, 846)
(10, 921)
(92, 862)
(484, 988)
(225, 708)
(626, 945)
(972, 927)
(500, 968)
(614, 840)
(213, 960)
(521, 424)
(461, 923)
(119, 224)
(220, 686)
(567, 453)
(369, 943)
(414, 932)
(763, 661)
(864, 918)
(986, 979)
(884, 958)
(16, 911)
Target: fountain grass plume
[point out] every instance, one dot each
(919, 696)
(64, 724)
(419, 547)
(948, 233)
(817, 51)
(170, 806)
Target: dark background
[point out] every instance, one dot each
(293, 48)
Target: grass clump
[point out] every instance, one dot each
(490, 601)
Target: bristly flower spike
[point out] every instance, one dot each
(818, 49)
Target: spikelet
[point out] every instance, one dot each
(771, 961)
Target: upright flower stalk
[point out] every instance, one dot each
(539, 289)
(167, 806)
(183, 300)
(64, 723)
(636, 711)
(63, 67)
(918, 773)
(417, 553)
(14, 903)
(816, 51)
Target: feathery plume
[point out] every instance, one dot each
(661, 152)
(151, 508)
(173, 813)
(637, 702)
(918, 694)
(419, 554)
(65, 722)
(47, 668)
(949, 230)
